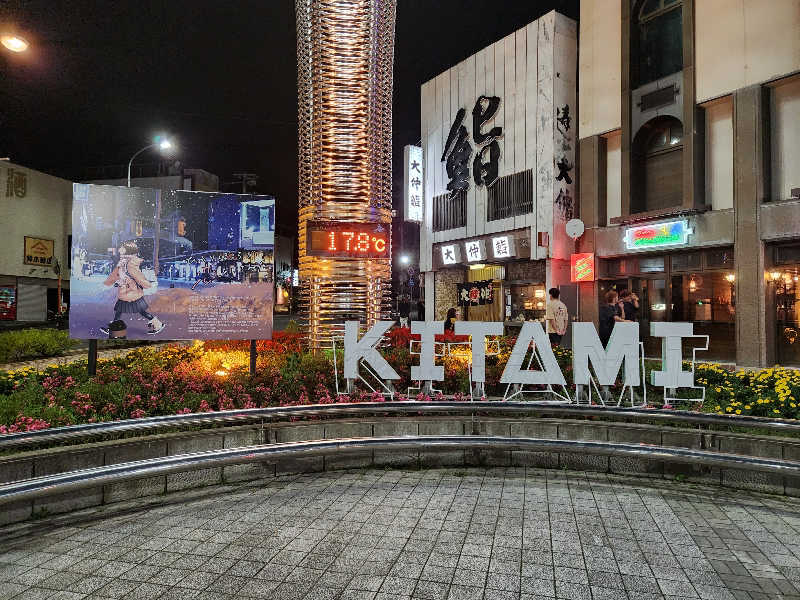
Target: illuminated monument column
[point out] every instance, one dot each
(345, 50)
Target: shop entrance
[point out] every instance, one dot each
(652, 293)
(695, 287)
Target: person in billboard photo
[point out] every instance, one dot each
(130, 282)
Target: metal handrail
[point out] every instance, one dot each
(94, 477)
(14, 441)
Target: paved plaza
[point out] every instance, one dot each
(496, 534)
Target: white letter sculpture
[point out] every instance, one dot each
(622, 346)
(355, 350)
(427, 369)
(673, 375)
(514, 373)
(478, 330)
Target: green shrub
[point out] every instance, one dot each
(33, 343)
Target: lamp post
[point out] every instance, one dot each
(162, 144)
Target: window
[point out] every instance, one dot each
(657, 165)
(450, 211)
(510, 196)
(785, 138)
(656, 41)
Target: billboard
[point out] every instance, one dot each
(171, 266)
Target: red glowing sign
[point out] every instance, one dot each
(347, 240)
(581, 267)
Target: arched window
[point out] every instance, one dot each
(656, 40)
(657, 165)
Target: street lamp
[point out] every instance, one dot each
(404, 259)
(161, 142)
(14, 43)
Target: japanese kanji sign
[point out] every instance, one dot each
(475, 293)
(16, 183)
(38, 252)
(413, 183)
(458, 150)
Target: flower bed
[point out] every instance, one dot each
(214, 376)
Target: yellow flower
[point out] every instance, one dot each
(738, 412)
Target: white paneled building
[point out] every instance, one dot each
(499, 140)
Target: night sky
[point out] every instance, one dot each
(104, 76)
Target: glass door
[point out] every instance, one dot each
(652, 307)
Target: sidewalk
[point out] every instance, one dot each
(77, 356)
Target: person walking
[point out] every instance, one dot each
(610, 313)
(556, 316)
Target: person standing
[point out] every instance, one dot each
(630, 305)
(450, 321)
(556, 316)
(404, 308)
(610, 313)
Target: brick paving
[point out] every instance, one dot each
(440, 534)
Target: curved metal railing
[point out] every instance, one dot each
(14, 441)
(98, 476)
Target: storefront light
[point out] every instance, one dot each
(775, 275)
(730, 277)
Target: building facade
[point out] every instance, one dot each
(35, 226)
(689, 128)
(499, 141)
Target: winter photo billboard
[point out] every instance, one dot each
(175, 265)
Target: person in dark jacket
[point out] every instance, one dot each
(610, 313)
(450, 322)
(630, 305)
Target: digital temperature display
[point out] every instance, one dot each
(347, 240)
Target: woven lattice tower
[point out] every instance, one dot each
(345, 50)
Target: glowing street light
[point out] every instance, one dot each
(404, 259)
(161, 142)
(14, 43)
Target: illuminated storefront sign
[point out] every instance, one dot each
(347, 240)
(503, 246)
(476, 250)
(674, 233)
(451, 254)
(412, 183)
(581, 267)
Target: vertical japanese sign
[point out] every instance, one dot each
(564, 141)
(413, 183)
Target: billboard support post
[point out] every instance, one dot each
(253, 357)
(92, 358)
